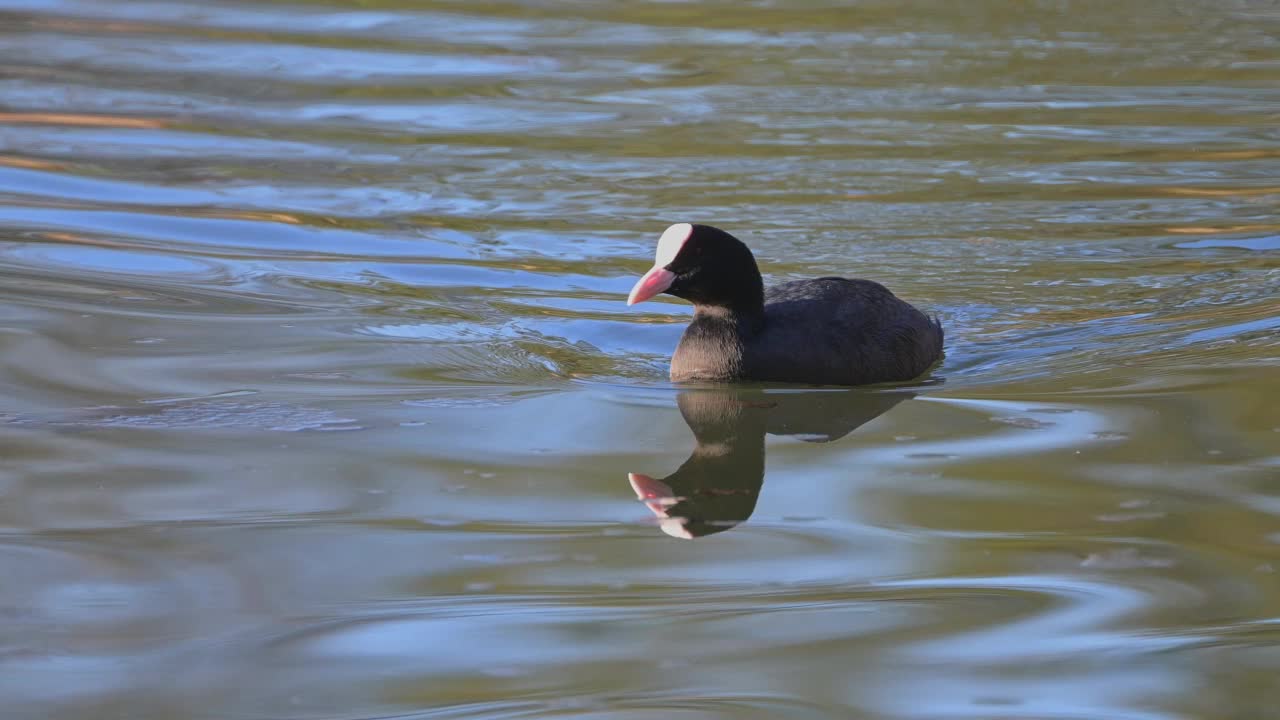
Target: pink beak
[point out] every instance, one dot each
(653, 282)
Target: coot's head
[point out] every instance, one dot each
(704, 265)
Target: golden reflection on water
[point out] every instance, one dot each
(77, 119)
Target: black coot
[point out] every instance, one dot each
(826, 331)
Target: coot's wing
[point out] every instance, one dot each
(841, 332)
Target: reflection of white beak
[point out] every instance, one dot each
(675, 528)
(658, 496)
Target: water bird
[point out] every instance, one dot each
(823, 331)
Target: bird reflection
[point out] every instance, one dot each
(717, 487)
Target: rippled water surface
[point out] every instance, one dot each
(321, 399)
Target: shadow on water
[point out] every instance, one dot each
(718, 486)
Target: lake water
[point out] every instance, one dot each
(321, 399)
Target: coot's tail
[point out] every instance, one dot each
(937, 325)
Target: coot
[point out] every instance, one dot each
(826, 331)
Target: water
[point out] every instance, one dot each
(321, 400)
